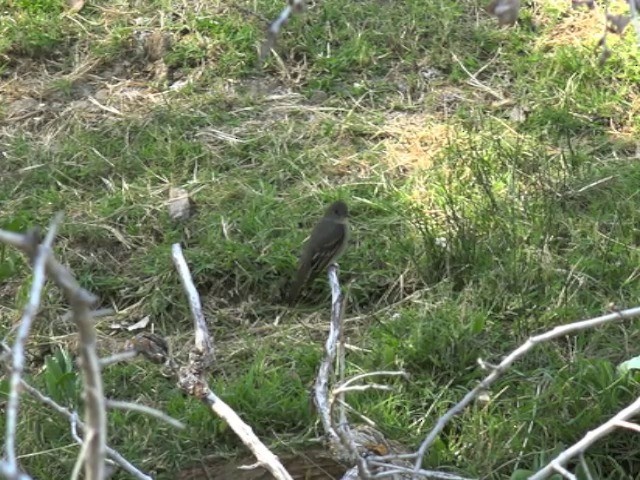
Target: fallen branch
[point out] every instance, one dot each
(620, 420)
(192, 377)
(498, 370)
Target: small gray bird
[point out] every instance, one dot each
(327, 242)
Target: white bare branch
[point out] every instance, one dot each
(118, 357)
(203, 344)
(81, 302)
(192, 378)
(89, 364)
(578, 448)
(275, 26)
(321, 388)
(633, 9)
(42, 252)
(66, 413)
(554, 333)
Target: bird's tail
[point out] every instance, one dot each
(298, 283)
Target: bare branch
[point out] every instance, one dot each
(95, 411)
(118, 357)
(81, 302)
(362, 376)
(10, 467)
(361, 388)
(192, 378)
(392, 469)
(628, 425)
(113, 454)
(564, 472)
(633, 8)
(321, 388)
(578, 448)
(55, 269)
(203, 341)
(75, 473)
(348, 442)
(274, 29)
(508, 361)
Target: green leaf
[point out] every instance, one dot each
(477, 325)
(61, 380)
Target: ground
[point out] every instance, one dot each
(492, 175)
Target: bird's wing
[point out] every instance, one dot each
(329, 241)
(329, 245)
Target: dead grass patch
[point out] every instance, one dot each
(414, 140)
(575, 30)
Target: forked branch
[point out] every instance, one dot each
(192, 378)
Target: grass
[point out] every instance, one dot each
(528, 176)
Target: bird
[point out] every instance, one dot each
(328, 240)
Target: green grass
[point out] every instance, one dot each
(533, 239)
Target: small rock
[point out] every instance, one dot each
(180, 204)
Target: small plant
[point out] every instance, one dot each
(62, 381)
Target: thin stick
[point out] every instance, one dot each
(10, 467)
(81, 302)
(321, 387)
(152, 412)
(203, 343)
(591, 437)
(393, 469)
(95, 411)
(118, 357)
(75, 473)
(634, 18)
(275, 26)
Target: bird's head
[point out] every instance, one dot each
(338, 209)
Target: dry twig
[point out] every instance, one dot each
(81, 302)
(152, 412)
(192, 377)
(9, 466)
(620, 420)
(507, 362)
(294, 6)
